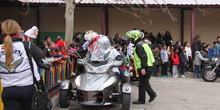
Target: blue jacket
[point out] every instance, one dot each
(210, 54)
(215, 51)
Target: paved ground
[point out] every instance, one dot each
(173, 94)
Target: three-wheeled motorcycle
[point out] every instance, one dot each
(98, 85)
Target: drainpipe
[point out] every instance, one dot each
(192, 28)
(38, 25)
(20, 16)
(103, 20)
(192, 34)
(182, 26)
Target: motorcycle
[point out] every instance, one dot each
(211, 73)
(98, 85)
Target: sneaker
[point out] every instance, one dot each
(197, 77)
(167, 76)
(174, 76)
(164, 76)
(182, 76)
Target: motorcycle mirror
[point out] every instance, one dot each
(80, 61)
(117, 63)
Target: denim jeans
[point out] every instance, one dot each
(197, 70)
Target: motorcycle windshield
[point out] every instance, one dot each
(99, 49)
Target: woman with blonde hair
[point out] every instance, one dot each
(15, 70)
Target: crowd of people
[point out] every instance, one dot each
(177, 58)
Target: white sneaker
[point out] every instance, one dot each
(182, 76)
(174, 76)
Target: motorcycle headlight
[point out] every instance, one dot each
(89, 68)
(100, 69)
(214, 59)
(109, 82)
(78, 80)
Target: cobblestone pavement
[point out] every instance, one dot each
(172, 94)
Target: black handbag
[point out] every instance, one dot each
(41, 99)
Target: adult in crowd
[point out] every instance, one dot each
(152, 38)
(117, 38)
(167, 38)
(76, 38)
(160, 39)
(144, 59)
(15, 72)
(196, 43)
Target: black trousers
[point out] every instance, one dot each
(189, 64)
(144, 85)
(164, 68)
(17, 97)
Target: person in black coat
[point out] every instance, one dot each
(152, 38)
(160, 39)
(167, 38)
(196, 43)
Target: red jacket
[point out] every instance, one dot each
(176, 59)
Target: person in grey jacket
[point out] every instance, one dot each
(164, 61)
(197, 61)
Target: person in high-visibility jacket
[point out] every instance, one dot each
(144, 62)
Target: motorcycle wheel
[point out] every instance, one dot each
(64, 98)
(206, 76)
(126, 101)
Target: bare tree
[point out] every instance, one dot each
(69, 17)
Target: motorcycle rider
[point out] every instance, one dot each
(144, 60)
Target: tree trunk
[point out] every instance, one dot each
(69, 17)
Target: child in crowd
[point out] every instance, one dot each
(170, 49)
(175, 62)
(215, 49)
(183, 61)
(209, 51)
(156, 53)
(197, 61)
(165, 61)
(189, 55)
(205, 55)
(203, 45)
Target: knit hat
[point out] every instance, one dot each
(32, 33)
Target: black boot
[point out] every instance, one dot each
(138, 102)
(152, 97)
